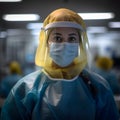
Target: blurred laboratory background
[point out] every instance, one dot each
(21, 21)
(20, 25)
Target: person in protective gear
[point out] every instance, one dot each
(104, 68)
(15, 74)
(62, 89)
(6, 84)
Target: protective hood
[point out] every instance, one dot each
(62, 18)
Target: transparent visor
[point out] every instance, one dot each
(62, 44)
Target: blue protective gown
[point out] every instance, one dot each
(39, 97)
(111, 79)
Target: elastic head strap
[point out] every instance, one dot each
(63, 24)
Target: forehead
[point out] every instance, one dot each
(64, 30)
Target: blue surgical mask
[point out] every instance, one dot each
(63, 54)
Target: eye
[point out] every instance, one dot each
(57, 39)
(72, 40)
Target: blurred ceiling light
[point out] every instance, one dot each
(114, 24)
(96, 16)
(10, 0)
(35, 32)
(34, 25)
(99, 29)
(21, 17)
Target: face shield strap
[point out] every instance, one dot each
(63, 24)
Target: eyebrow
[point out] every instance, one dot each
(71, 34)
(57, 34)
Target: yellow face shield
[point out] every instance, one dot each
(43, 56)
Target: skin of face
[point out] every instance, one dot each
(61, 35)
